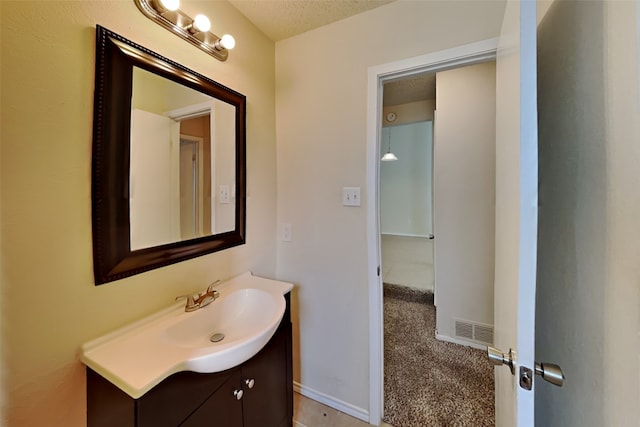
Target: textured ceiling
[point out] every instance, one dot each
(410, 89)
(281, 19)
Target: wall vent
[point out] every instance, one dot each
(483, 333)
(464, 329)
(474, 331)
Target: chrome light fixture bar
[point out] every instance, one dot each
(194, 30)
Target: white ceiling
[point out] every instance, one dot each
(281, 19)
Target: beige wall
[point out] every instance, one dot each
(50, 304)
(464, 195)
(321, 132)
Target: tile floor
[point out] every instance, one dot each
(309, 413)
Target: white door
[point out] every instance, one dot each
(151, 213)
(516, 208)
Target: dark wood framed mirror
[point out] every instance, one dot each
(168, 163)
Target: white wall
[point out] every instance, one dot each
(152, 204)
(321, 132)
(405, 184)
(588, 289)
(50, 304)
(464, 195)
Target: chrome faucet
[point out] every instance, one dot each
(201, 299)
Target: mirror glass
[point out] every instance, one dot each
(182, 173)
(168, 162)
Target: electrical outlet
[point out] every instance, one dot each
(223, 194)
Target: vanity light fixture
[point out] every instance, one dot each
(200, 24)
(389, 156)
(226, 42)
(167, 13)
(163, 6)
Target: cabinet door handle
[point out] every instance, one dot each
(250, 382)
(238, 394)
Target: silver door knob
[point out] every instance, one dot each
(548, 371)
(250, 382)
(551, 373)
(497, 357)
(238, 394)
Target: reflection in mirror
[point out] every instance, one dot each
(182, 173)
(168, 176)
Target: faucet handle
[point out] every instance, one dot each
(191, 304)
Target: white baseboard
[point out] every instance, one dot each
(337, 404)
(426, 236)
(461, 342)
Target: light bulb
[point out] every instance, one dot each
(169, 5)
(228, 42)
(201, 23)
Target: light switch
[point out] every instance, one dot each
(351, 196)
(223, 194)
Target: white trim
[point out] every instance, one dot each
(528, 205)
(331, 401)
(191, 111)
(460, 342)
(424, 236)
(446, 59)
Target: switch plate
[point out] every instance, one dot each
(286, 232)
(223, 194)
(351, 196)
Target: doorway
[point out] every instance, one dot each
(464, 55)
(419, 338)
(190, 186)
(406, 211)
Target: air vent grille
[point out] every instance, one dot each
(474, 331)
(483, 333)
(464, 329)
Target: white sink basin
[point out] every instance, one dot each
(139, 356)
(240, 315)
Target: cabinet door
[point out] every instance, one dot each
(265, 404)
(173, 400)
(222, 409)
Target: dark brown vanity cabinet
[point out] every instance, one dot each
(258, 393)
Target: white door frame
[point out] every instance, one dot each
(446, 59)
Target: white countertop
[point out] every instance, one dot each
(137, 357)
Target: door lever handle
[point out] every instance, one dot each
(550, 372)
(497, 357)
